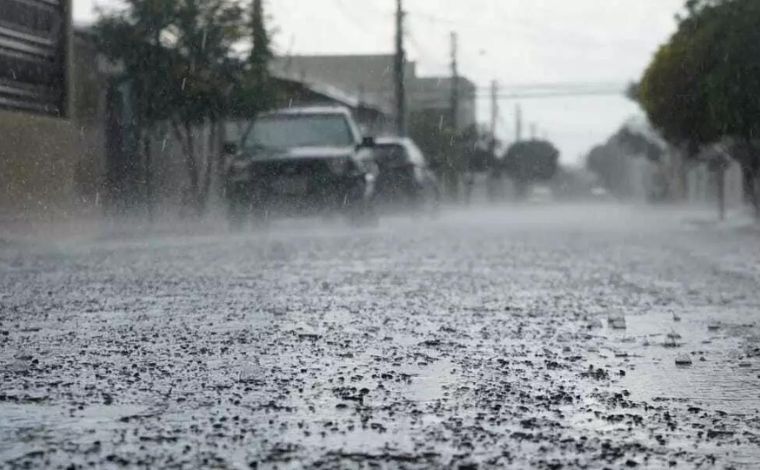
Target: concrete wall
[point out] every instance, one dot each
(52, 167)
(702, 184)
(37, 171)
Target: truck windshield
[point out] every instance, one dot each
(309, 130)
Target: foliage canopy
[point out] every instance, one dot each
(704, 84)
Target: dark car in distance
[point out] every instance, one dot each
(405, 180)
(308, 161)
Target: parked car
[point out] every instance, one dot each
(301, 161)
(405, 178)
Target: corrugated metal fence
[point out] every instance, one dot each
(34, 50)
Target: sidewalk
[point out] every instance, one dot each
(740, 218)
(20, 230)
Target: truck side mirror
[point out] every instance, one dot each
(368, 142)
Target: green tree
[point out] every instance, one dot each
(451, 154)
(177, 54)
(440, 144)
(204, 34)
(477, 147)
(132, 39)
(610, 162)
(702, 86)
(529, 162)
(733, 86)
(256, 91)
(673, 95)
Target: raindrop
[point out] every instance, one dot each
(683, 360)
(617, 322)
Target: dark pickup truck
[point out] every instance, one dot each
(306, 161)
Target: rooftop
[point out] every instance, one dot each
(301, 110)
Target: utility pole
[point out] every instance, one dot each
(518, 123)
(533, 131)
(494, 107)
(493, 169)
(454, 82)
(398, 68)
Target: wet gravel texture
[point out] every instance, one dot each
(533, 337)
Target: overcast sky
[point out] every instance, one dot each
(517, 42)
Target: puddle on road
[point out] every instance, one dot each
(429, 382)
(380, 422)
(26, 427)
(721, 375)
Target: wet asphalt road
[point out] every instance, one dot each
(475, 341)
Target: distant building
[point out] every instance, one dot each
(431, 96)
(370, 78)
(372, 119)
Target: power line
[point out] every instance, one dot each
(494, 105)
(454, 81)
(523, 25)
(484, 93)
(555, 94)
(526, 96)
(539, 87)
(429, 17)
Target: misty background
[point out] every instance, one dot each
(584, 46)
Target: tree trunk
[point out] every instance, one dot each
(210, 156)
(755, 194)
(183, 133)
(720, 175)
(221, 162)
(750, 161)
(452, 184)
(521, 189)
(148, 155)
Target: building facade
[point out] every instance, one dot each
(371, 79)
(432, 97)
